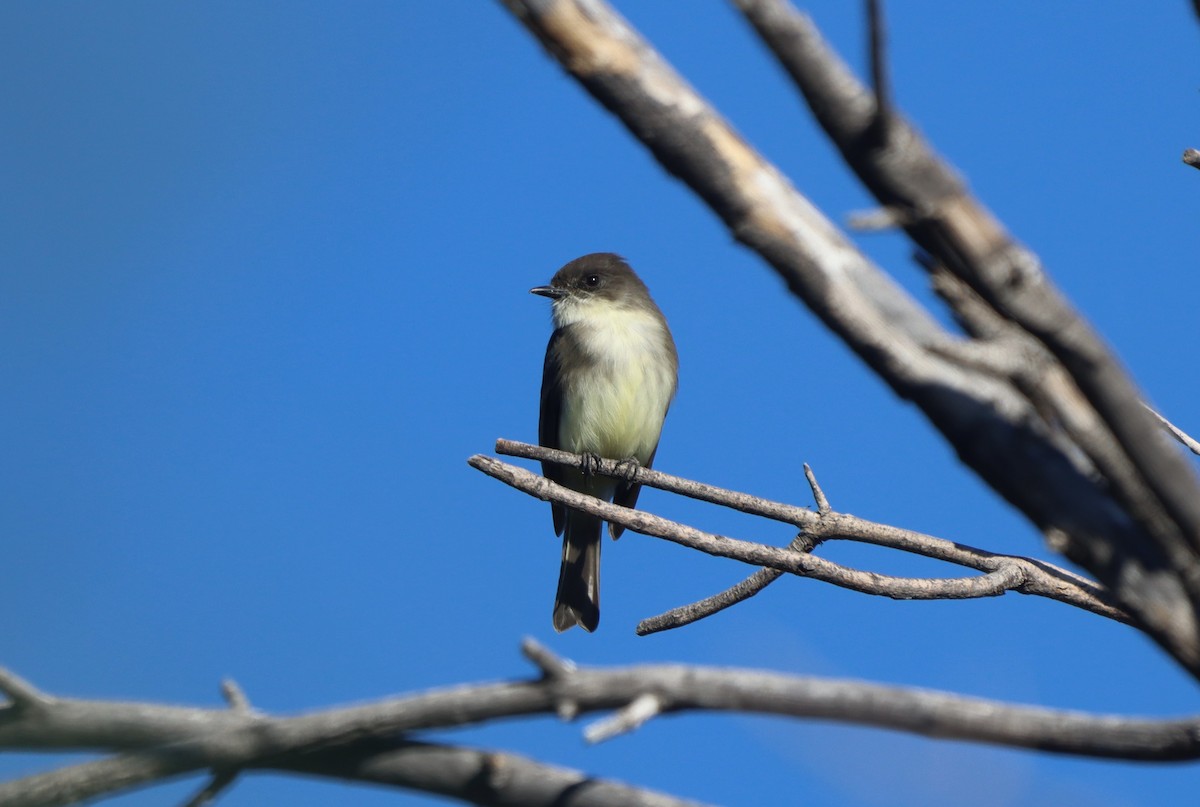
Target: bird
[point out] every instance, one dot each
(610, 374)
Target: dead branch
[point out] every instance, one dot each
(368, 742)
(1153, 484)
(1000, 572)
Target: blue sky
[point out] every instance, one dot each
(264, 275)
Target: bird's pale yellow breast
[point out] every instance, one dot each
(616, 407)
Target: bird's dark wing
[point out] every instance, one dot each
(549, 416)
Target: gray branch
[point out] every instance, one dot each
(368, 743)
(1000, 572)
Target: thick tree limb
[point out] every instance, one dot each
(365, 742)
(1143, 553)
(1001, 572)
(1153, 483)
(955, 228)
(470, 775)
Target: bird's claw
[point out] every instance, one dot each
(590, 464)
(628, 468)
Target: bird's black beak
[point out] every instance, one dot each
(553, 292)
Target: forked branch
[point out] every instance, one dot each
(999, 573)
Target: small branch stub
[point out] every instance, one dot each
(19, 691)
(208, 794)
(235, 696)
(637, 712)
(552, 666)
(554, 669)
(818, 495)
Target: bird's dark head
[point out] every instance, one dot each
(598, 276)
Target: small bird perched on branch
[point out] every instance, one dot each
(611, 371)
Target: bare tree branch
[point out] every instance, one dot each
(470, 775)
(961, 233)
(1140, 547)
(1001, 572)
(1192, 157)
(365, 742)
(1005, 577)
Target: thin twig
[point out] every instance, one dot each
(693, 612)
(1176, 432)
(207, 794)
(823, 507)
(879, 64)
(235, 696)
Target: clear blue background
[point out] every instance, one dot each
(263, 289)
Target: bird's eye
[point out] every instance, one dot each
(592, 281)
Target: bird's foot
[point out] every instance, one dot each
(591, 462)
(628, 468)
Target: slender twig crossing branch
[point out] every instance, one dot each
(1179, 434)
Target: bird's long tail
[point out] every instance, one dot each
(578, 598)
